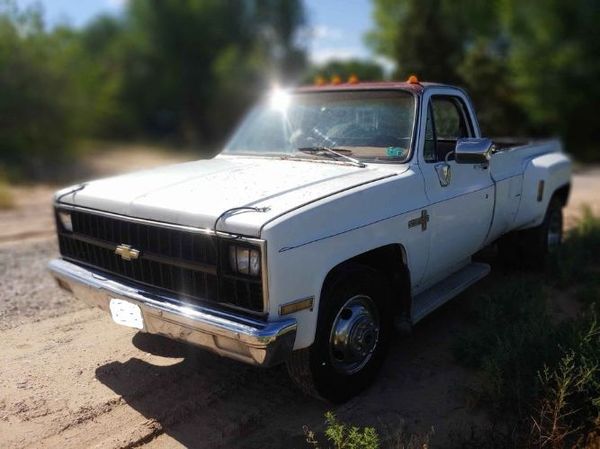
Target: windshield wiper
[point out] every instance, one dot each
(329, 152)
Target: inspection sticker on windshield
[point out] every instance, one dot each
(126, 313)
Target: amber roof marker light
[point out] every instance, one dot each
(412, 79)
(319, 81)
(353, 79)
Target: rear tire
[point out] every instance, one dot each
(530, 247)
(353, 332)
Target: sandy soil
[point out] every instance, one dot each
(69, 378)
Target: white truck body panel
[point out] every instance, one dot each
(305, 245)
(461, 212)
(196, 193)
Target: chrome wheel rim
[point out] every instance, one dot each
(554, 229)
(354, 335)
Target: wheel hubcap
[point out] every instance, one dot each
(555, 230)
(354, 335)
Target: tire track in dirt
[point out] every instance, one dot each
(133, 396)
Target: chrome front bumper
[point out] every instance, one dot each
(249, 340)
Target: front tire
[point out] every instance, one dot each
(353, 330)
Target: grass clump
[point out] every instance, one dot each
(341, 435)
(541, 376)
(577, 261)
(511, 340)
(344, 436)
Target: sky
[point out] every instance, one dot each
(337, 27)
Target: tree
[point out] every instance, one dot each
(187, 59)
(178, 69)
(554, 48)
(428, 37)
(531, 66)
(39, 101)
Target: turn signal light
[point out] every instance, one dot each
(297, 306)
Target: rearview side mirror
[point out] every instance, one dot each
(473, 150)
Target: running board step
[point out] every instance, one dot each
(432, 298)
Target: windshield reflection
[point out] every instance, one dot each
(370, 126)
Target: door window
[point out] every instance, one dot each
(446, 123)
(429, 148)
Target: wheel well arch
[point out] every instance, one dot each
(562, 193)
(390, 260)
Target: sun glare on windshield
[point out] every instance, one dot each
(279, 100)
(369, 125)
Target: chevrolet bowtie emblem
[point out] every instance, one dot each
(127, 252)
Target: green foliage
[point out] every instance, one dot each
(193, 66)
(577, 262)
(428, 37)
(553, 60)
(362, 69)
(38, 106)
(343, 436)
(569, 401)
(183, 70)
(484, 71)
(531, 67)
(540, 374)
(510, 343)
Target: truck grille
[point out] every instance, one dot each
(174, 260)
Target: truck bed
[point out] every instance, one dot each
(512, 156)
(526, 176)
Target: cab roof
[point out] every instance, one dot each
(417, 88)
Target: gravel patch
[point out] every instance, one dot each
(27, 291)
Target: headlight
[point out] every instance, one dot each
(65, 220)
(244, 260)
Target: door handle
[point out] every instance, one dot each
(444, 173)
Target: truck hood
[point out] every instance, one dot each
(197, 193)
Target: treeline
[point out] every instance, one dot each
(181, 70)
(532, 67)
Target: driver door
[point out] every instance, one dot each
(461, 196)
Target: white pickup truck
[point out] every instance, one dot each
(333, 215)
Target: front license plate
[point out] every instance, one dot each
(126, 313)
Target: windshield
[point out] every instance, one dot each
(371, 126)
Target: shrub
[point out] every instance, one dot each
(344, 436)
(539, 376)
(576, 262)
(569, 400)
(509, 343)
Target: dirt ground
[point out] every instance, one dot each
(70, 378)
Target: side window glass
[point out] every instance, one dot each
(429, 148)
(447, 119)
(450, 124)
